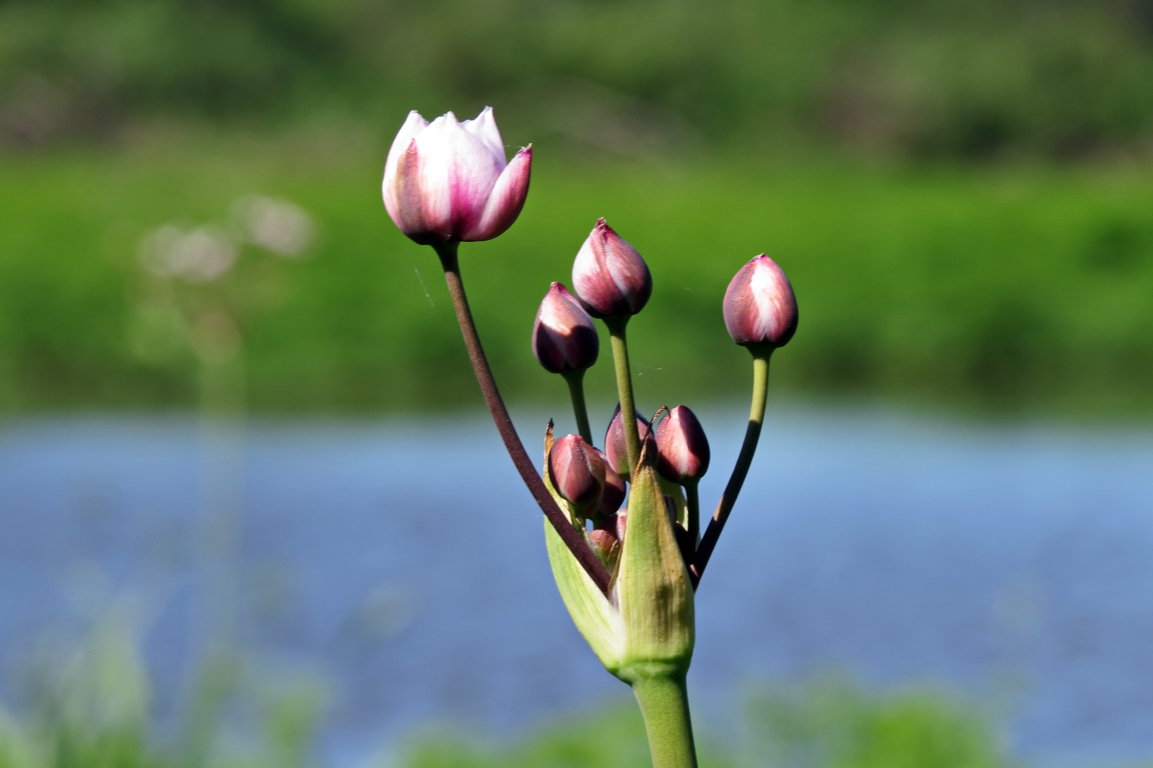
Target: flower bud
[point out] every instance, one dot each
(682, 448)
(447, 181)
(563, 335)
(609, 276)
(614, 492)
(577, 471)
(616, 447)
(759, 307)
(606, 545)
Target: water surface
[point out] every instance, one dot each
(401, 562)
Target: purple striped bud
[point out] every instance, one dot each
(609, 276)
(563, 336)
(577, 471)
(616, 448)
(682, 448)
(447, 181)
(760, 308)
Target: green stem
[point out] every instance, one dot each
(620, 346)
(572, 538)
(575, 381)
(664, 704)
(693, 505)
(741, 469)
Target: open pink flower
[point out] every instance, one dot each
(449, 181)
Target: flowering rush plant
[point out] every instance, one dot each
(623, 526)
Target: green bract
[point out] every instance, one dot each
(644, 629)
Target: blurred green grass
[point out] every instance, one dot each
(958, 190)
(1022, 286)
(92, 708)
(827, 723)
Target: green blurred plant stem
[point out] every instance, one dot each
(741, 468)
(693, 512)
(576, 389)
(620, 346)
(572, 538)
(664, 704)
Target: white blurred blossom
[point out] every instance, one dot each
(197, 254)
(280, 226)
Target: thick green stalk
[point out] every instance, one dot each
(741, 469)
(572, 538)
(576, 389)
(620, 346)
(664, 704)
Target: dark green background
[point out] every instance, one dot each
(959, 191)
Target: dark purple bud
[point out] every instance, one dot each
(563, 336)
(616, 449)
(609, 276)
(682, 448)
(760, 308)
(614, 492)
(577, 471)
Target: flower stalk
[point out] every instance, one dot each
(664, 705)
(740, 469)
(524, 465)
(623, 372)
(575, 381)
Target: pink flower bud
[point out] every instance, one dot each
(446, 181)
(682, 448)
(609, 276)
(760, 308)
(563, 336)
(577, 470)
(616, 448)
(606, 545)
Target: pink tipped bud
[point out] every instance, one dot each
(616, 448)
(577, 470)
(760, 308)
(563, 336)
(447, 180)
(682, 448)
(609, 276)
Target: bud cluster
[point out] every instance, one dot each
(611, 281)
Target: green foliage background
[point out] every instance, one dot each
(960, 191)
(972, 79)
(1005, 287)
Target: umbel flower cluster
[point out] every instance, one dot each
(624, 532)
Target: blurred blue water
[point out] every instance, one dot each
(401, 561)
